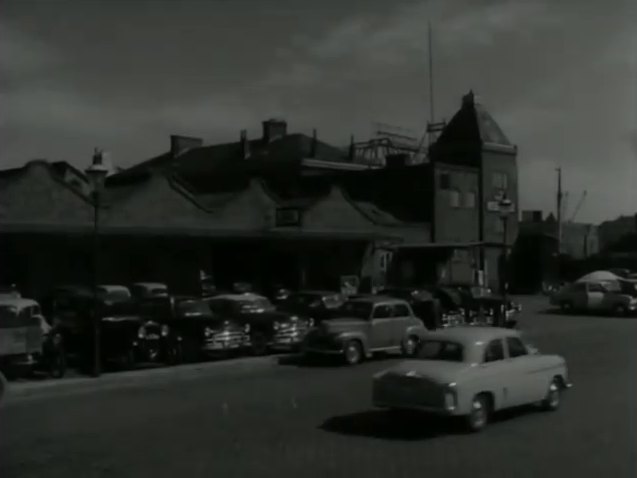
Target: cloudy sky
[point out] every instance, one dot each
(559, 76)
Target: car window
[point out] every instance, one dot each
(494, 351)
(440, 350)
(400, 310)
(516, 347)
(594, 287)
(355, 308)
(382, 312)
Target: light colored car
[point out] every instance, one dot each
(364, 326)
(593, 296)
(471, 372)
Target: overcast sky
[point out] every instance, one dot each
(559, 76)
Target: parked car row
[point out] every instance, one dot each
(610, 297)
(145, 323)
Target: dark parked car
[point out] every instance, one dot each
(195, 330)
(318, 305)
(270, 329)
(125, 337)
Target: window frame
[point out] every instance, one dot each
(395, 315)
(495, 183)
(455, 193)
(486, 350)
(445, 180)
(508, 341)
(474, 201)
(389, 315)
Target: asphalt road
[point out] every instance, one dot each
(287, 420)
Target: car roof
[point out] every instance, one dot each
(472, 334)
(377, 299)
(17, 302)
(245, 296)
(151, 284)
(114, 288)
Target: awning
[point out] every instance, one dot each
(433, 245)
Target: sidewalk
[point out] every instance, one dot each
(35, 389)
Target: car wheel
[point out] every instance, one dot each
(620, 310)
(353, 352)
(259, 344)
(566, 307)
(479, 415)
(410, 345)
(553, 397)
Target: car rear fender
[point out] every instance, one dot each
(355, 335)
(418, 329)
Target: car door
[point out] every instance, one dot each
(527, 383)
(400, 319)
(495, 373)
(594, 296)
(382, 326)
(579, 296)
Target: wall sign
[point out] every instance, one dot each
(288, 217)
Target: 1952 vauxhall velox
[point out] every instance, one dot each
(471, 372)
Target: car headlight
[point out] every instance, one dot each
(246, 328)
(165, 330)
(208, 332)
(451, 397)
(141, 332)
(275, 326)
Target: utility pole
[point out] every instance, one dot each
(559, 210)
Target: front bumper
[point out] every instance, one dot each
(287, 340)
(410, 407)
(227, 342)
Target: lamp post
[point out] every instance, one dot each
(506, 208)
(97, 174)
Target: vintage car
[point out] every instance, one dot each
(194, 329)
(426, 307)
(452, 305)
(479, 306)
(148, 290)
(317, 304)
(365, 326)
(125, 337)
(472, 372)
(610, 297)
(270, 329)
(27, 340)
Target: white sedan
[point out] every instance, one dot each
(472, 372)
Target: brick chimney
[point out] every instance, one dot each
(274, 129)
(245, 144)
(179, 144)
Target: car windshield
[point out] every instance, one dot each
(114, 295)
(7, 312)
(441, 350)
(356, 308)
(193, 308)
(259, 304)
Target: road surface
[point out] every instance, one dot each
(288, 420)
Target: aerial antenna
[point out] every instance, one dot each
(432, 111)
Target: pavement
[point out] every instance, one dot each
(275, 417)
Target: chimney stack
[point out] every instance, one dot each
(179, 144)
(245, 144)
(352, 148)
(274, 129)
(313, 146)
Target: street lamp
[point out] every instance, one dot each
(505, 207)
(97, 175)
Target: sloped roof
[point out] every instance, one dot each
(473, 124)
(209, 168)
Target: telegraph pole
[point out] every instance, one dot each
(559, 210)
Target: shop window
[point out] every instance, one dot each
(454, 198)
(470, 200)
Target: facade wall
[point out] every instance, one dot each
(612, 231)
(456, 204)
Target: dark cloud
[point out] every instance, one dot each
(559, 77)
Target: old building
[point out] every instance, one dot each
(611, 232)
(282, 208)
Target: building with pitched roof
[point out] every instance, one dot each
(286, 208)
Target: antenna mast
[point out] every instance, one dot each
(432, 111)
(559, 210)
